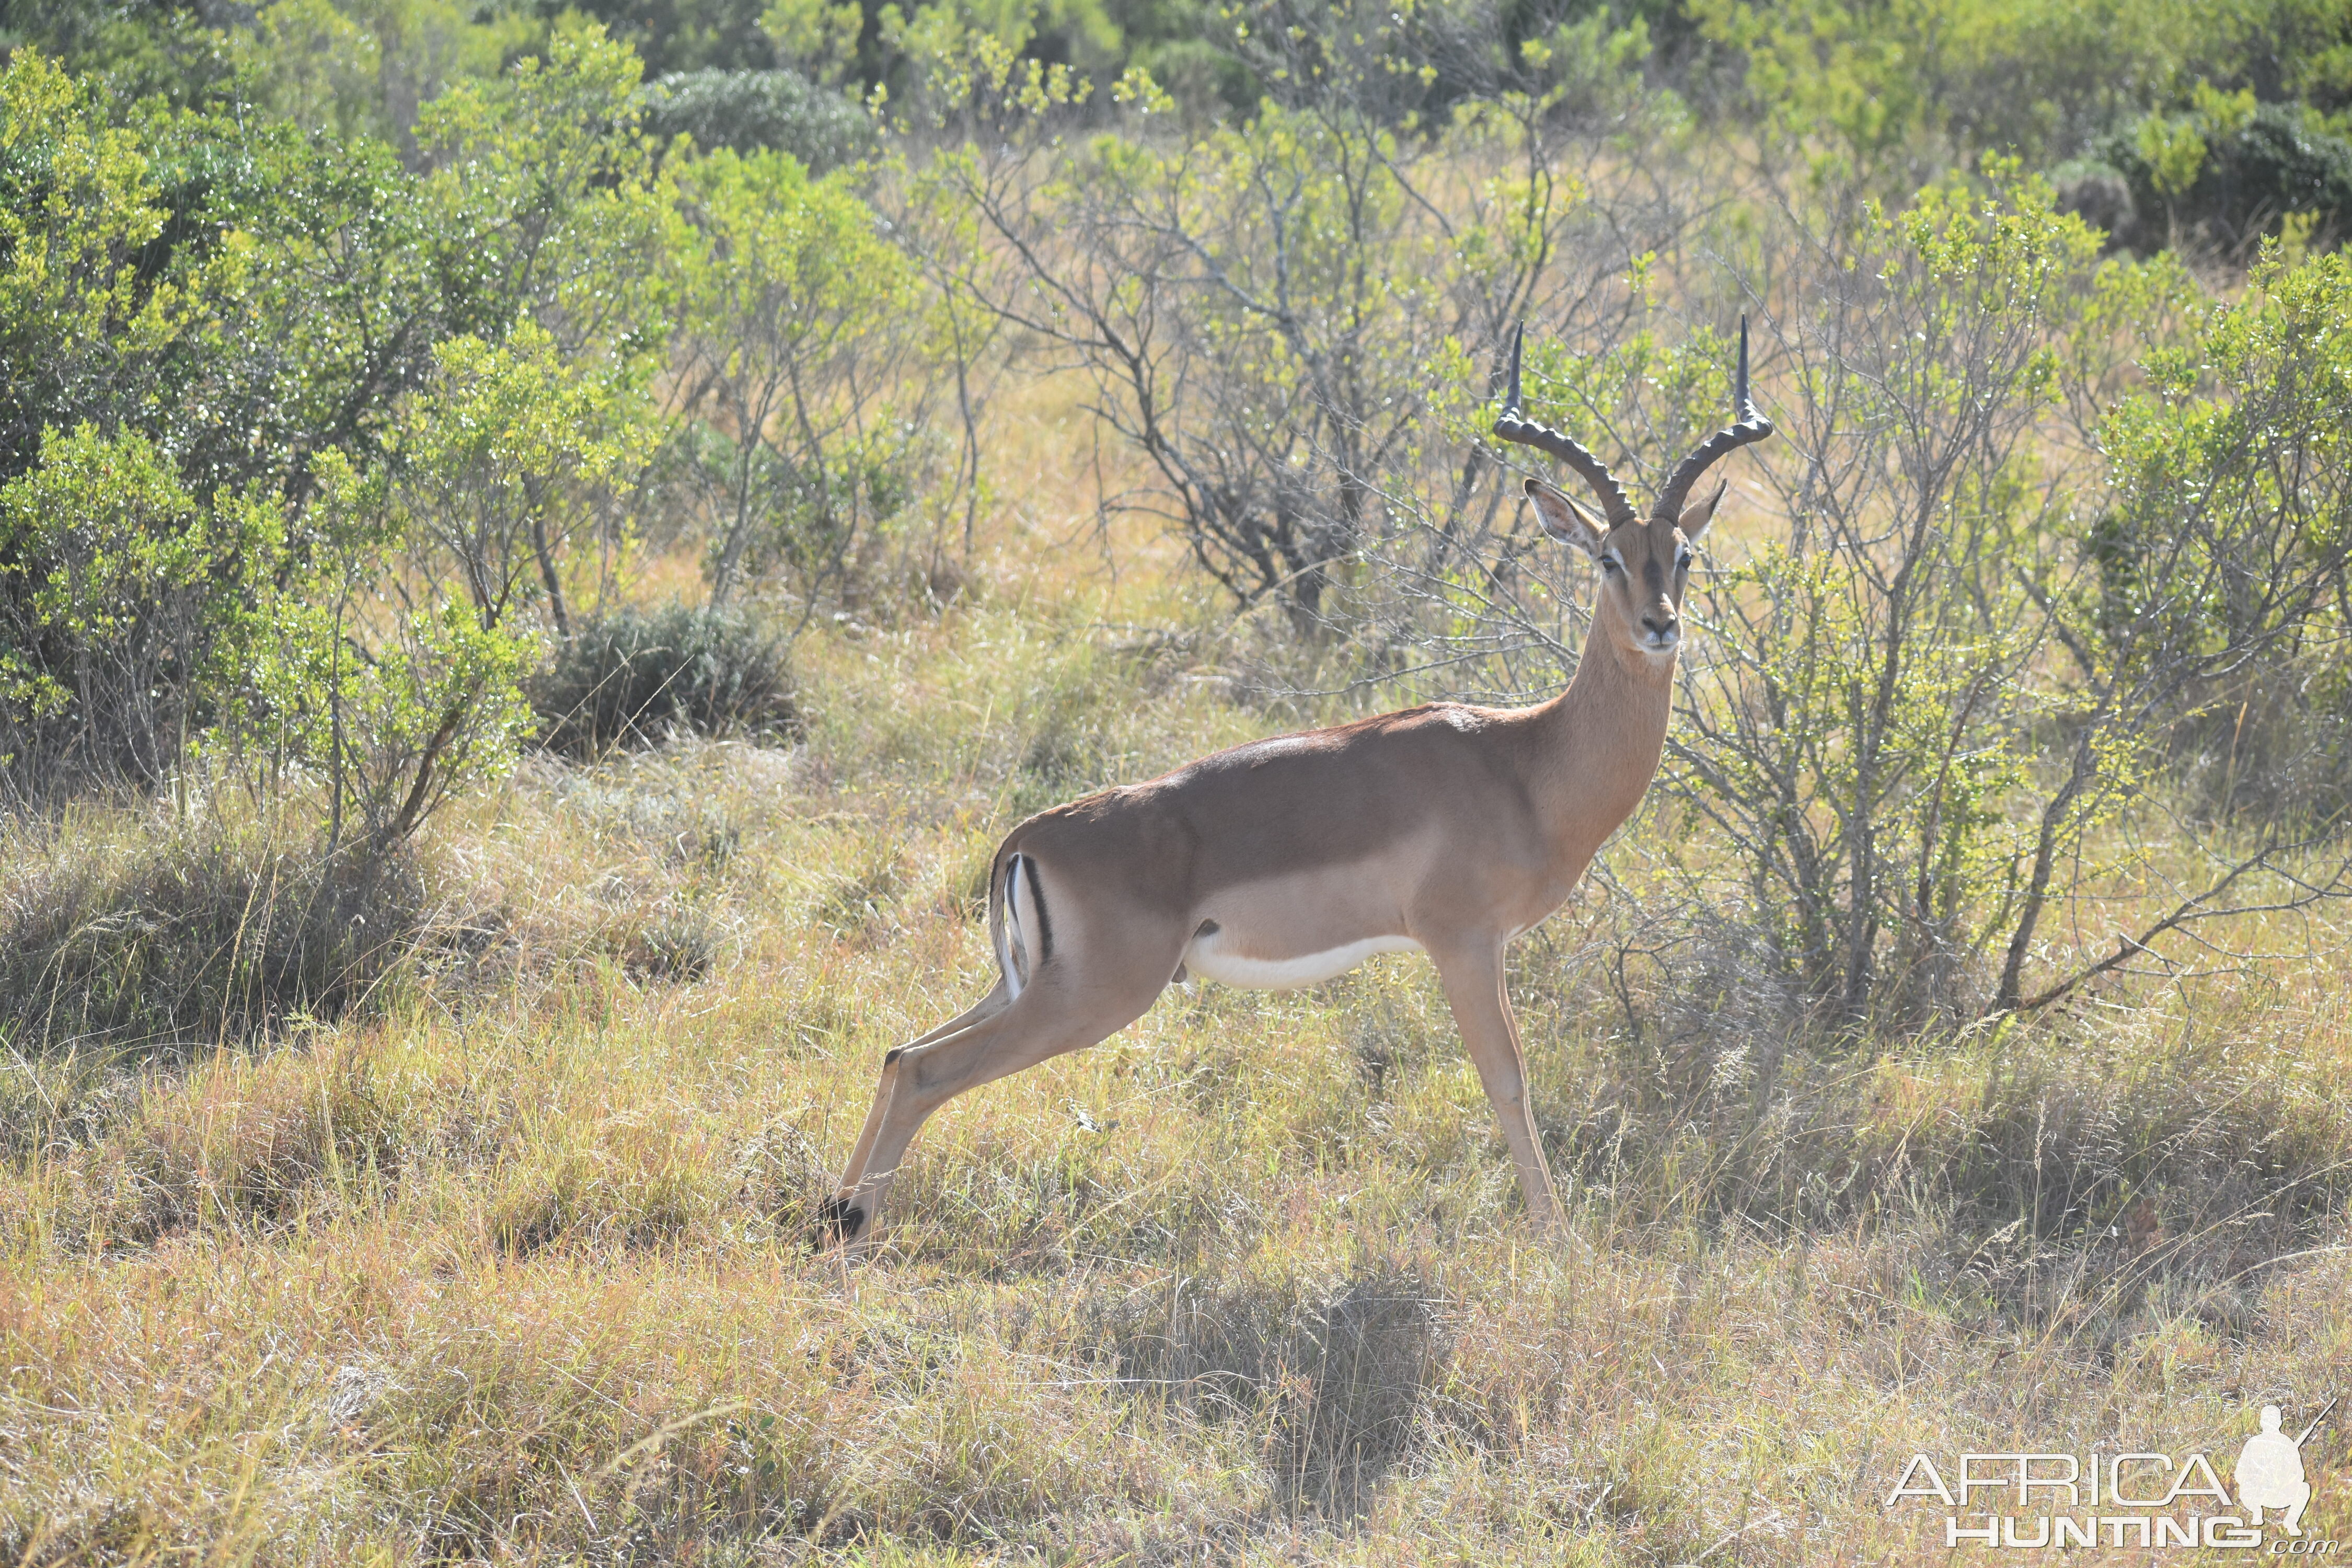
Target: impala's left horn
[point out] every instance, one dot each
(1513, 425)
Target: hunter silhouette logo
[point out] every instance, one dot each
(2146, 1500)
(2270, 1471)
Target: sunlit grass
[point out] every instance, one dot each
(512, 1264)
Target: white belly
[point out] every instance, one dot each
(1205, 957)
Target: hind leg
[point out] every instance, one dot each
(1046, 1020)
(988, 1007)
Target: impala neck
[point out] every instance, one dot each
(1607, 732)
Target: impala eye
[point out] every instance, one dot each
(1610, 563)
(1682, 561)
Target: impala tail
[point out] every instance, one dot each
(1018, 926)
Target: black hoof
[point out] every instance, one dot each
(836, 1223)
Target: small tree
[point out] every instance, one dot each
(1872, 713)
(800, 319)
(1275, 313)
(125, 603)
(2213, 591)
(391, 688)
(549, 222)
(498, 461)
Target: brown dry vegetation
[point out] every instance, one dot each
(511, 1266)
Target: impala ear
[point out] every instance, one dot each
(1698, 514)
(1564, 519)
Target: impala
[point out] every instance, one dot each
(1444, 829)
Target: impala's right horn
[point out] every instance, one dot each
(1511, 426)
(1748, 426)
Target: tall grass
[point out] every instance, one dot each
(512, 1264)
(128, 930)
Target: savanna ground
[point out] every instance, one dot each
(514, 1265)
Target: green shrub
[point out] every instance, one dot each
(2223, 552)
(799, 311)
(123, 601)
(746, 111)
(2224, 180)
(632, 677)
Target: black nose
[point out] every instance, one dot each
(1656, 628)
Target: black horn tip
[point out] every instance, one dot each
(1511, 398)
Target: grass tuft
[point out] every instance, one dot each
(632, 677)
(131, 932)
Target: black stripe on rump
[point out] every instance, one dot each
(1012, 952)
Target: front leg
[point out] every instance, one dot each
(1472, 972)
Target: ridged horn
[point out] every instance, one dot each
(1748, 426)
(1511, 426)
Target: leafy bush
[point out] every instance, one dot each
(2226, 176)
(2225, 550)
(249, 378)
(800, 317)
(80, 328)
(632, 677)
(123, 602)
(1867, 736)
(752, 111)
(127, 559)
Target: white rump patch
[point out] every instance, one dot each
(1016, 955)
(1204, 957)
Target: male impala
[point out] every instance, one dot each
(1445, 829)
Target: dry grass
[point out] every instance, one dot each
(513, 1266)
